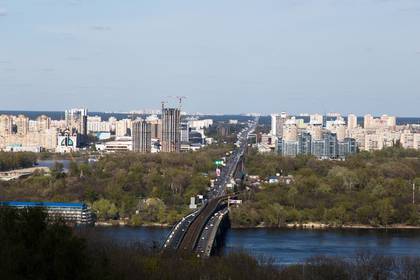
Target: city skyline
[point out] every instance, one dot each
(230, 57)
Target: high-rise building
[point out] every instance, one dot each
(368, 121)
(123, 127)
(290, 130)
(156, 127)
(316, 131)
(141, 135)
(388, 121)
(76, 121)
(277, 124)
(392, 121)
(171, 136)
(223, 130)
(185, 133)
(95, 124)
(6, 125)
(305, 143)
(273, 124)
(351, 121)
(331, 145)
(416, 141)
(43, 123)
(318, 148)
(347, 147)
(316, 119)
(326, 148)
(22, 125)
(200, 124)
(287, 148)
(341, 132)
(384, 122)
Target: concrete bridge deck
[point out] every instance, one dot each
(199, 231)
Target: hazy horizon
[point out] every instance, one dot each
(360, 56)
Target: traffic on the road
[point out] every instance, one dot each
(219, 189)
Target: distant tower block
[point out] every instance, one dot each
(171, 133)
(142, 136)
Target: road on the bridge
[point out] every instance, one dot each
(192, 229)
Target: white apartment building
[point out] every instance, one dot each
(200, 124)
(316, 119)
(123, 127)
(376, 133)
(351, 121)
(95, 124)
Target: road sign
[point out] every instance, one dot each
(235, 201)
(218, 162)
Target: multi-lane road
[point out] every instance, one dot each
(209, 231)
(227, 171)
(194, 228)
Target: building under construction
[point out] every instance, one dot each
(171, 133)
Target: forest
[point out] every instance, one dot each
(10, 161)
(369, 188)
(137, 188)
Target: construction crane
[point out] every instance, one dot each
(163, 104)
(180, 98)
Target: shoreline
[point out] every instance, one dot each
(321, 226)
(304, 226)
(125, 224)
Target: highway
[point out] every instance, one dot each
(188, 232)
(220, 185)
(205, 242)
(209, 231)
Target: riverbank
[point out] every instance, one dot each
(309, 225)
(314, 225)
(126, 224)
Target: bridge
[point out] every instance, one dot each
(201, 232)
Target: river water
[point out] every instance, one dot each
(288, 246)
(50, 163)
(284, 246)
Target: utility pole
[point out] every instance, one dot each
(414, 189)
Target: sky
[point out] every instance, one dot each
(226, 56)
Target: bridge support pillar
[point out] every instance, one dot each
(220, 238)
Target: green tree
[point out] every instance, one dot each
(105, 209)
(385, 211)
(35, 248)
(57, 171)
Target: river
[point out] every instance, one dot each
(288, 246)
(285, 246)
(50, 163)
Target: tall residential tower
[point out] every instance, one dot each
(141, 136)
(171, 134)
